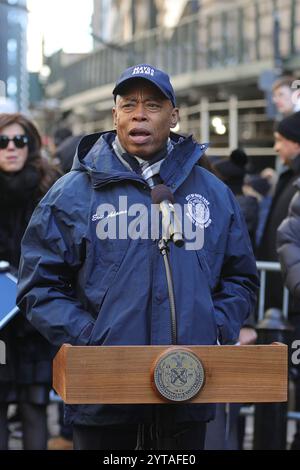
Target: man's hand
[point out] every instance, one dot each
(248, 335)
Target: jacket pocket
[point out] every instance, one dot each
(205, 267)
(98, 274)
(208, 281)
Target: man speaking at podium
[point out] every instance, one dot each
(87, 278)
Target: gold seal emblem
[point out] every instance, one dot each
(178, 374)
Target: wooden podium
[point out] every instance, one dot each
(122, 374)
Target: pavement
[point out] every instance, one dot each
(15, 441)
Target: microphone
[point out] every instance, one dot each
(162, 195)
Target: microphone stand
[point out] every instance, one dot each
(164, 250)
(162, 436)
(164, 427)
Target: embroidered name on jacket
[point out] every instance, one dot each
(198, 210)
(102, 216)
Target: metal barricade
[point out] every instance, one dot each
(270, 426)
(264, 267)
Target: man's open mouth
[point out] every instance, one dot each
(139, 132)
(139, 136)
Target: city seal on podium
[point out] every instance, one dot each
(178, 374)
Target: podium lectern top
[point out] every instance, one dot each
(122, 374)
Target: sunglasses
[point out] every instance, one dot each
(20, 141)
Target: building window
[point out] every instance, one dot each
(12, 47)
(12, 86)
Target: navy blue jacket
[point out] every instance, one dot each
(80, 290)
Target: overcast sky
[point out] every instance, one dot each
(65, 24)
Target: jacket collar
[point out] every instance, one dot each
(96, 157)
(295, 164)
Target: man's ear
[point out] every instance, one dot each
(174, 117)
(114, 114)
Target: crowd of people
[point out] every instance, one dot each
(78, 289)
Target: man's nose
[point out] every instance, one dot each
(140, 112)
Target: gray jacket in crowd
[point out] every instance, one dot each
(288, 245)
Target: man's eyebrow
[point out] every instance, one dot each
(148, 98)
(155, 98)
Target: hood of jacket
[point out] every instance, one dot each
(95, 156)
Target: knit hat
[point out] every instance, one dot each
(234, 167)
(289, 127)
(258, 183)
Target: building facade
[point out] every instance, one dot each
(116, 21)
(13, 46)
(222, 57)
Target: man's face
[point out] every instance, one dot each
(143, 117)
(283, 99)
(286, 149)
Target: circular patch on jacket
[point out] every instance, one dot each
(178, 375)
(198, 210)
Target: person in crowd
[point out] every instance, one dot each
(61, 134)
(288, 248)
(271, 176)
(288, 245)
(226, 431)
(286, 95)
(223, 433)
(65, 152)
(26, 378)
(232, 171)
(259, 187)
(287, 146)
(78, 286)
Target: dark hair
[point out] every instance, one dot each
(48, 173)
(61, 134)
(204, 162)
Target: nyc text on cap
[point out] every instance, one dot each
(153, 75)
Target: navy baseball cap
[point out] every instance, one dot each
(159, 78)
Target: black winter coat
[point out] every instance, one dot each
(250, 209)
(285, 190)
(28, 354)
(288, 245)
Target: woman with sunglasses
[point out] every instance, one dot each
(26, 378)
